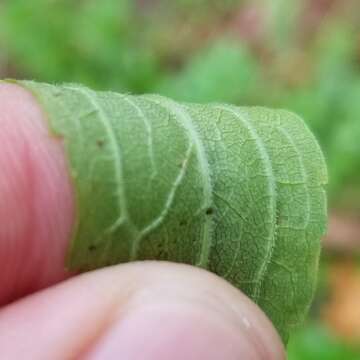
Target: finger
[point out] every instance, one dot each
(139, 311)
(36, 201)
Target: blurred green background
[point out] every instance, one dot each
(303, 55)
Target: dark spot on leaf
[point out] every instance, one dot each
(209, 211)
(92, 248)
(100, 143)
(182, 222)
(278, 218)
(163, 254)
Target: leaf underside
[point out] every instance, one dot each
(236, 190)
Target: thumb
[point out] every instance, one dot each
(137, 311)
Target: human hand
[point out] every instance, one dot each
(137, 311)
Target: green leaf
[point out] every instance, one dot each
(316, 342)
(239, 191)
(210, 75)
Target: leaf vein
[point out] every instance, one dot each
(188, 123)
(118, 163)
(259, 277)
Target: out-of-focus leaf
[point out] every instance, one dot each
(344, 154)
(224, 71)
(317, 343)
(85, 41)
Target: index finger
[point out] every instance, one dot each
(36, 199)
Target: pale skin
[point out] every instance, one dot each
(138, 311)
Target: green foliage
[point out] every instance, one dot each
(236, 190)
(78, 41)
(344, 146)
(330, 104)
(317, 343)
(201, 6)
(224, 71)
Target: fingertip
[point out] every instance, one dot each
(36, 201)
